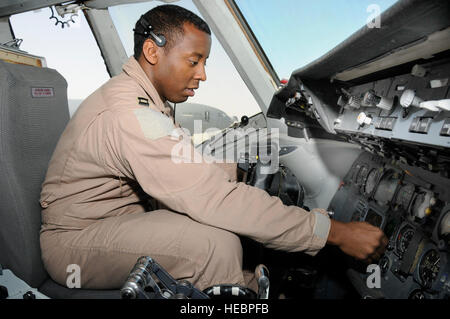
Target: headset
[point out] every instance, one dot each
(159, 39)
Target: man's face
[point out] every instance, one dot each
(179, 71)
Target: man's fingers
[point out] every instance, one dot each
(379, 251)
(382, 247)
(376, 256)
(364, 241)
(384, 240)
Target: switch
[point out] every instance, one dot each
(363, 119)
(424, 125)
(409, 98)
(385, 103)
(420, 125)
(390, 122)
(414, 124)
(438, 83)
(342, 101)
(436, 106)
(348, 100)
(385, 123)
(371, 99)
(430, 106)
(354, 102)
(445, 130)
(419, 71)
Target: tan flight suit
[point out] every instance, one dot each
(115, 152)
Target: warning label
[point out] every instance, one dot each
(42, 92)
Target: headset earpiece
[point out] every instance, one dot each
(159, 39)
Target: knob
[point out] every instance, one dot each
(371, 99)
(29, 295)
(385, 103)
(419, 71)
(244, 120)
(354, 102)
(363, 119)
(409, 98)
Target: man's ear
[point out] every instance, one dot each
(150, 52)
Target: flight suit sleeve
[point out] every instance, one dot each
(169, 169)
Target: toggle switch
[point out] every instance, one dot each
(363, 119)
(372, 99)
(436, 106)
(419, 71)
(409, 98)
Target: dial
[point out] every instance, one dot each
(429, 267)
(404, 237)
(405, 195)
(386, 188)
(371, 182)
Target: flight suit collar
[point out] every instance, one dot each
(133, 69)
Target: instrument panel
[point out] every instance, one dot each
(405, 117)
(405, 107)
(413, 216)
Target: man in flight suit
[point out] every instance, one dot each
(116, 151)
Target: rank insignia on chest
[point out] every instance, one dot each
(143, 101)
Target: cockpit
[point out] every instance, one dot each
(358, 124)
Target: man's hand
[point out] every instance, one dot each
(358, 239)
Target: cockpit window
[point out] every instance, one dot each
(293, 33)
(223, 96)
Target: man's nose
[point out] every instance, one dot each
(201, 73)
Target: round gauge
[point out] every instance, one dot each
(404, 237)
(429, 267)
(405, 195)
(386, 188)
(371, 182)
(417, 294)
(444, 227)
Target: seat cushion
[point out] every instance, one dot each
(53, 290)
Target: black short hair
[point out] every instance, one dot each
(167, 20)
